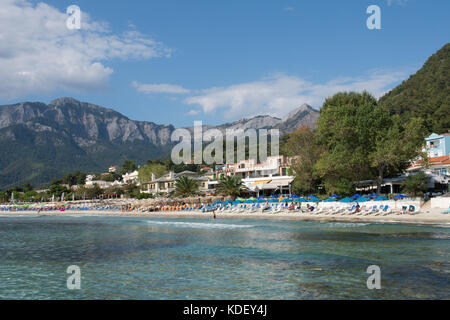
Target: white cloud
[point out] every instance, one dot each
(159, 88)
(400, 2)
(193, 112)
(280, 93)
(39, 54)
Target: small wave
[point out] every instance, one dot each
(347, 224)
(17, 215)
(201, 225)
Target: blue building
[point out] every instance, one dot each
(438, 145)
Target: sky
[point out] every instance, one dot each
(216, 61)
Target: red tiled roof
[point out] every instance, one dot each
(433, 162)
(439, 160)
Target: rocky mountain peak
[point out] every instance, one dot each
(303, 108)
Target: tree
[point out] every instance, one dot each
(363, 141)
(110, 177)
(4, 197)
(303, 145)
(146, 171)
(230, 186)
(131, 190)
(396, 147)
(27, 187)
(94, 192)
(425, 94)
(416, 185)
(185, 187)
(57, 190)
(128, 166)
(73, 179)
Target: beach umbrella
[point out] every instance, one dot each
(373, 195)
(331, 199)
(228, 202)
(381, 198)
(346, 200)
(315, 200)
(217, 202)
(286, 200)
(300, 200)
(294, 196)
(248, 201)
(237, 202)
(312, 196)
(362, 199)
(273, 200)
(260, 201)
(335, 196)
(400, 196)
(356, 196)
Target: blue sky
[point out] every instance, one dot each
(216, 61)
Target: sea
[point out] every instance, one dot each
(104, 257)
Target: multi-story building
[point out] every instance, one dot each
(269, 177)
(437, 145)
(131, 177)
(166, 183)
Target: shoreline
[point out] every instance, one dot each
(431, 217)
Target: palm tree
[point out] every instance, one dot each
(230, 186)
(185, 187)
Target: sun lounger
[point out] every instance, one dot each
(386, 210)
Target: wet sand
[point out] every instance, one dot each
(429, 216)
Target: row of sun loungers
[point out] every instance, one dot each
(36, 209)
(339, 210)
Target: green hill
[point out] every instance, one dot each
(425, 94)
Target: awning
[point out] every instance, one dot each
(261, 181)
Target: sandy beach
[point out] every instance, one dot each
(429, 216)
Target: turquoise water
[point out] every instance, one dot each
(151, 258)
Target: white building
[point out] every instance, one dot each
(166, 183)
(269, 177)
(131, 177)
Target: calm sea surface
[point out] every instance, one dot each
(152, 258)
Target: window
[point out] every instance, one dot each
(434, 144)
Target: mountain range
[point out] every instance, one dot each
(41, 141)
